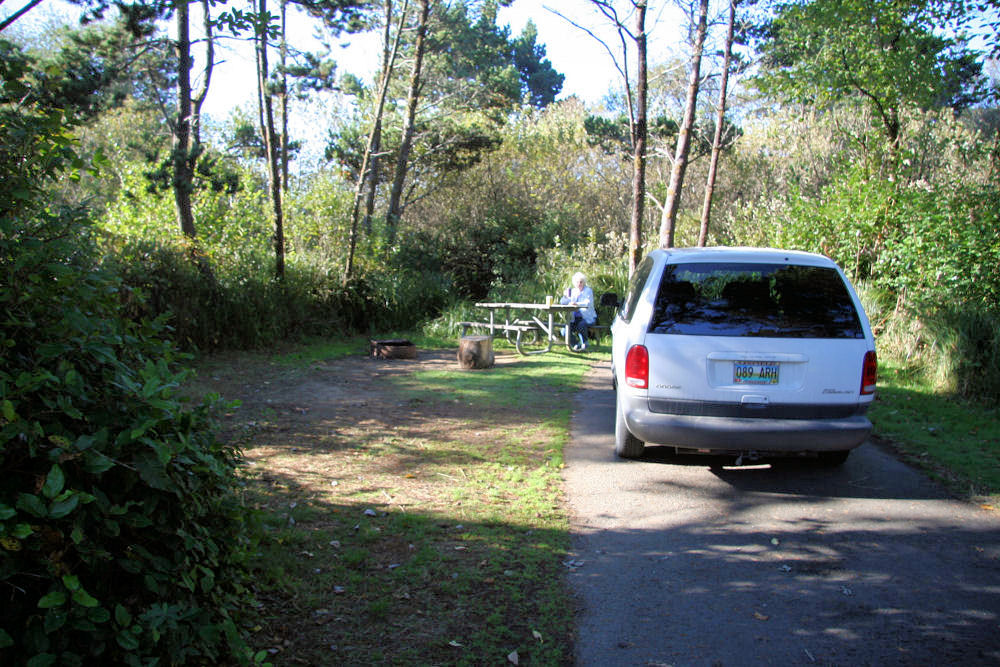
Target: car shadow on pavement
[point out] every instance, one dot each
(869, 473)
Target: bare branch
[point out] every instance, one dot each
(18, 14)
(600, 41)
(199, 96)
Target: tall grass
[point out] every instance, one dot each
(951, 348)
(966, 342)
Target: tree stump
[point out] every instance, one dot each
(475, 352)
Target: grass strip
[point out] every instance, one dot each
(955, 441)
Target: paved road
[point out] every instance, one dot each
(684, 561)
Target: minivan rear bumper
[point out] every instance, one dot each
(729, 433)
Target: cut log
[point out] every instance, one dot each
(393, 349)
(475, 352)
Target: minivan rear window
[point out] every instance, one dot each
(635, 286)
(754, 300)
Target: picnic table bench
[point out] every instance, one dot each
(532, 326)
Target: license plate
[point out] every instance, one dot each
(755, 372)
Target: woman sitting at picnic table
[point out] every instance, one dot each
(580, 295)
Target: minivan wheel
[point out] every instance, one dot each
(627, 445)
(833, 459)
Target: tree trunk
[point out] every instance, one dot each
(284, 96)
(639, 143)
(270, 144)
(368, 174)
(186, 127)
(198, 98)
(183, 171)
(373, 175)
(706, 210)
(637, 108)
(668, 220)
(395, 197)
(388, 64)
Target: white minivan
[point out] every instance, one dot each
(744, 351)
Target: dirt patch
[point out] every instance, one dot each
(345, 423)
(337, 405)
(353, 385)
(410, 521)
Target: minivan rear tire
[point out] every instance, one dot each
(627, 446)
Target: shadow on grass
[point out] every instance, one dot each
(364, 582)
(414, 510)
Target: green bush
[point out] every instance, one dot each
(473, 256)
(946, 245)
(225, 307)
(602, 259)
(122, 537)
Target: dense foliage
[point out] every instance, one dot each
(885, 54)
(122, 536)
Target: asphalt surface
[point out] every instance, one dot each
(690, 561)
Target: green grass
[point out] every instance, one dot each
(429, 528)
(956, 441)
(314, 350)
(321, 349)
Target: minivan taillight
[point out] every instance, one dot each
(637, 367)
(869, 373)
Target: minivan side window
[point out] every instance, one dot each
(754, 300)
(635, 286)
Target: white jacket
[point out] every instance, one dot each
(583, 298)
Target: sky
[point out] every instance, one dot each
(589, 70)
(588, 67)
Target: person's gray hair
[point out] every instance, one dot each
(578, 277)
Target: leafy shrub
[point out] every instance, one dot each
(225, 308)
(602, 259)
(947, 245)
(121, 534)
(472, 256)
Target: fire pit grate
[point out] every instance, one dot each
(393, 349)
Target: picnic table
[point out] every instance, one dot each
(533, 326)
